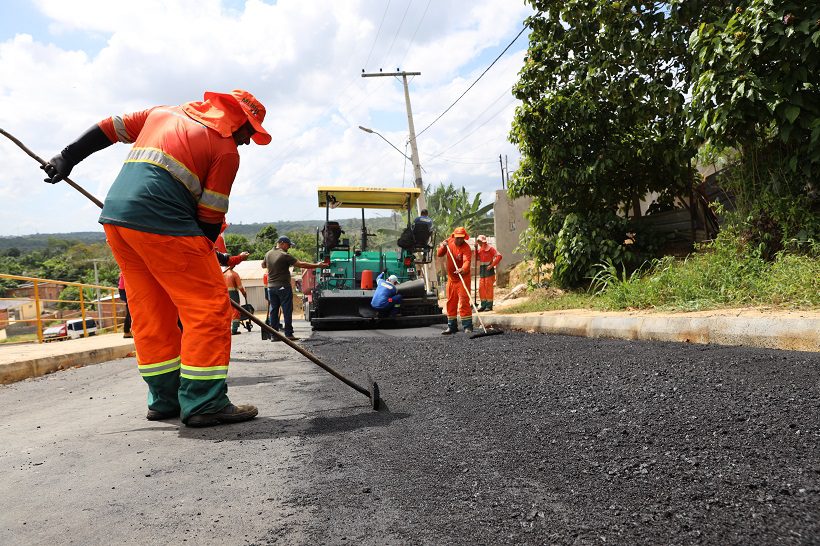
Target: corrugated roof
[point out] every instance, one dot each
(13, 304)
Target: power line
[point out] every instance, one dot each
(376, 39)
(418, 26)
(475, 82)
(465, 137)
(396, 35)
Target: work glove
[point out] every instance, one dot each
(58, 168)
(211, 231)
(93, 140)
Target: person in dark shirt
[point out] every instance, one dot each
(280, 291)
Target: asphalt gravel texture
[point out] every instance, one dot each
(541, 439)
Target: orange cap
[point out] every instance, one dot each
(461, 232)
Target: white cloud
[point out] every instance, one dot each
(301, 59)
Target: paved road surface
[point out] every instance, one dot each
(519, 439)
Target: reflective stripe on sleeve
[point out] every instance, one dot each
(119, 128)
(204, 372)
(157, 157)
(214, 200)
(159, 368)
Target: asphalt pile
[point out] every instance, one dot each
(536, 439)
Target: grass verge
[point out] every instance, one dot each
(724, 273)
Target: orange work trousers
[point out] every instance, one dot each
(169, 278)
(458, 301)
(485, 288)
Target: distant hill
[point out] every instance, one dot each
(310, 226)
(27, 243)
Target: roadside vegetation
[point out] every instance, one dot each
(725, 273)
(621, 100)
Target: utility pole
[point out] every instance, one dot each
(507, 167)
(503, 186)
(414, 151)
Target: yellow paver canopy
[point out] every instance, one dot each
(353, 197)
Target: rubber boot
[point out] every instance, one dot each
(483, 306)
(452, 327)
(234, 327)
(489, 305)
(163, 401)
(467, 325)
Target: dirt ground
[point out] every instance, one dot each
(535, 439)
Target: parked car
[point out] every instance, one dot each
(74, 327)
(71, 329)
(55, 333)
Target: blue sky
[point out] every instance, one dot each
(66, 65)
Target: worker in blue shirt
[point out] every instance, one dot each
(386, 300)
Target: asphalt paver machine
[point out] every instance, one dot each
(338, 296)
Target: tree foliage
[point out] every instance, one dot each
(263, 241)
(451, 207)
(605, 118)
(757, 91)
(237, 244)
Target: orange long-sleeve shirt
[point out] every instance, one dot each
(462, 255)
(178, 171)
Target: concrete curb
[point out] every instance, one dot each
(789, 333)
(36, 367)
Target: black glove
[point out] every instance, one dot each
(61, 164)
(57, 169)
(211, 231)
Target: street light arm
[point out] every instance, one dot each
(366, 130)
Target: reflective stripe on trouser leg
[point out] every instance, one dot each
(163, 384)
(170, 277)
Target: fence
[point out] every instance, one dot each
(39, 300)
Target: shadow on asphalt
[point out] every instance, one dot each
(274, 428)
(260, 360)
(253, 380)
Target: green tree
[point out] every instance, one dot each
(304, 245)
(264, 240)
(602, 121)
(757, 91)
(450, 207)
(237, 244)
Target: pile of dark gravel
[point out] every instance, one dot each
(535, 439)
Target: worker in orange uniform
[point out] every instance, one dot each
(161, 217)
(458, 300)
(488, 259)
(234, 284)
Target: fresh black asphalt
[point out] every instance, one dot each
(540, 439)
